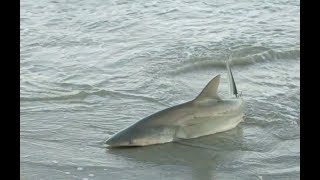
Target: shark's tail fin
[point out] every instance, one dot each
(232, 84)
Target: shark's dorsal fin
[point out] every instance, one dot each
(210, 91)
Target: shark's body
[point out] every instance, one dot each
(206, 114)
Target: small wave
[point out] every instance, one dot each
(123, 26)
(168, 11)
(243, 57)
(98, 24)
(83, 94)
(79, 95)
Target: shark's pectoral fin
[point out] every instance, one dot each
(210, 91)
(200, 126)
(193, 128)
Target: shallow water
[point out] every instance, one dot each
(90, 69)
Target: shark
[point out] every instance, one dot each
(207, 114)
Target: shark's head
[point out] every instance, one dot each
(117, 141)
(139, 135)
(123, 138)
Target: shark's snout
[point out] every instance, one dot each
(118, 140)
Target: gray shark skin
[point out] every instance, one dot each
(206, 114)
